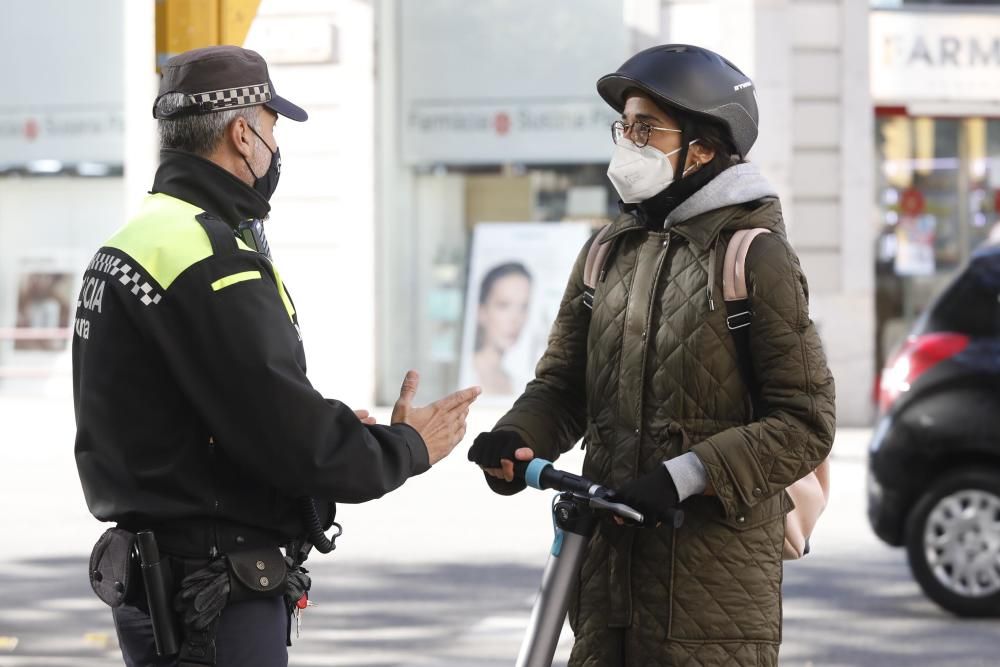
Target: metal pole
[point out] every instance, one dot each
(574, 526)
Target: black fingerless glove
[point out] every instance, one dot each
(654, 494)
(487, 450)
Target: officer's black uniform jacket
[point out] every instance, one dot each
(190, 379)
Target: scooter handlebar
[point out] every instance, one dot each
(541, 474)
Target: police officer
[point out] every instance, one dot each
(195, 418)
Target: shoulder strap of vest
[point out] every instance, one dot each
(593, 267)
(220, 234)
(738, 312)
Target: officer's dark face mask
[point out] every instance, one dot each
(267, 183)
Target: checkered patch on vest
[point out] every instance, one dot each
(133, 279)
(232, 98)
(105, 264)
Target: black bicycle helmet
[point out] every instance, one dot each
(692, 79)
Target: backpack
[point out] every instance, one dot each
(810, 494)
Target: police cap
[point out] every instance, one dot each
(219, 78)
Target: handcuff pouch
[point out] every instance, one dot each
(257, 573)
(114, 568)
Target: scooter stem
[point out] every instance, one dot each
(574, 525)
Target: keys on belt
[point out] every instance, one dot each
(300, 606)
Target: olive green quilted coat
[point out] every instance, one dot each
(651, 373)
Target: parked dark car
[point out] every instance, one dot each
(934, 460)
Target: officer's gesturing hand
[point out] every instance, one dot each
(442, 423)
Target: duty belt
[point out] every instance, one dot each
(204, 538)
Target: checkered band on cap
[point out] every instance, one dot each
(231, 98)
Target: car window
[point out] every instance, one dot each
(971, 303)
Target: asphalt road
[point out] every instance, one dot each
(442, 573)
(841, 610)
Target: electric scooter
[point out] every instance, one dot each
(574, 519)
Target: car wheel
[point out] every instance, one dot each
(953, 542)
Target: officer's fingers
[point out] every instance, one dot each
(459, 399)
(494, 472)
(458, 414)
(508, 469)
(362, 414)
(369, 421)
(409, 389)
(524, 454)
(458, 430)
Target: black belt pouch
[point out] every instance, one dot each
(257, 573)
(114, 569)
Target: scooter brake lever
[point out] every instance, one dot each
(618, 509)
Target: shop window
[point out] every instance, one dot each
(424, 299)
(938, 197)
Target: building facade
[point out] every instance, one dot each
(488, 113)
(432, 122)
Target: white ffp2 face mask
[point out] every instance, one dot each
(639, 173)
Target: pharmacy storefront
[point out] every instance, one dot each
(935, 80)
(492, 174)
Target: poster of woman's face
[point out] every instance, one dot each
(504, 299)
(517, 274)
(43, 307)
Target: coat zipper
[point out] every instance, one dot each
(661, 260)
(213, 466)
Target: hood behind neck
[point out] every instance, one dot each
(740, 184)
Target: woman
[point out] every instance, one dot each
(650, 379)
(503, 309)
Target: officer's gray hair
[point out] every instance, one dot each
(197, 133)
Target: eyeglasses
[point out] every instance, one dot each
(639, 130)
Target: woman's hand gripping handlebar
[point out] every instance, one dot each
(541, 474)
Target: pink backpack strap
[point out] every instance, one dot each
(593, 266)
(734, 279)
(596, 257)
